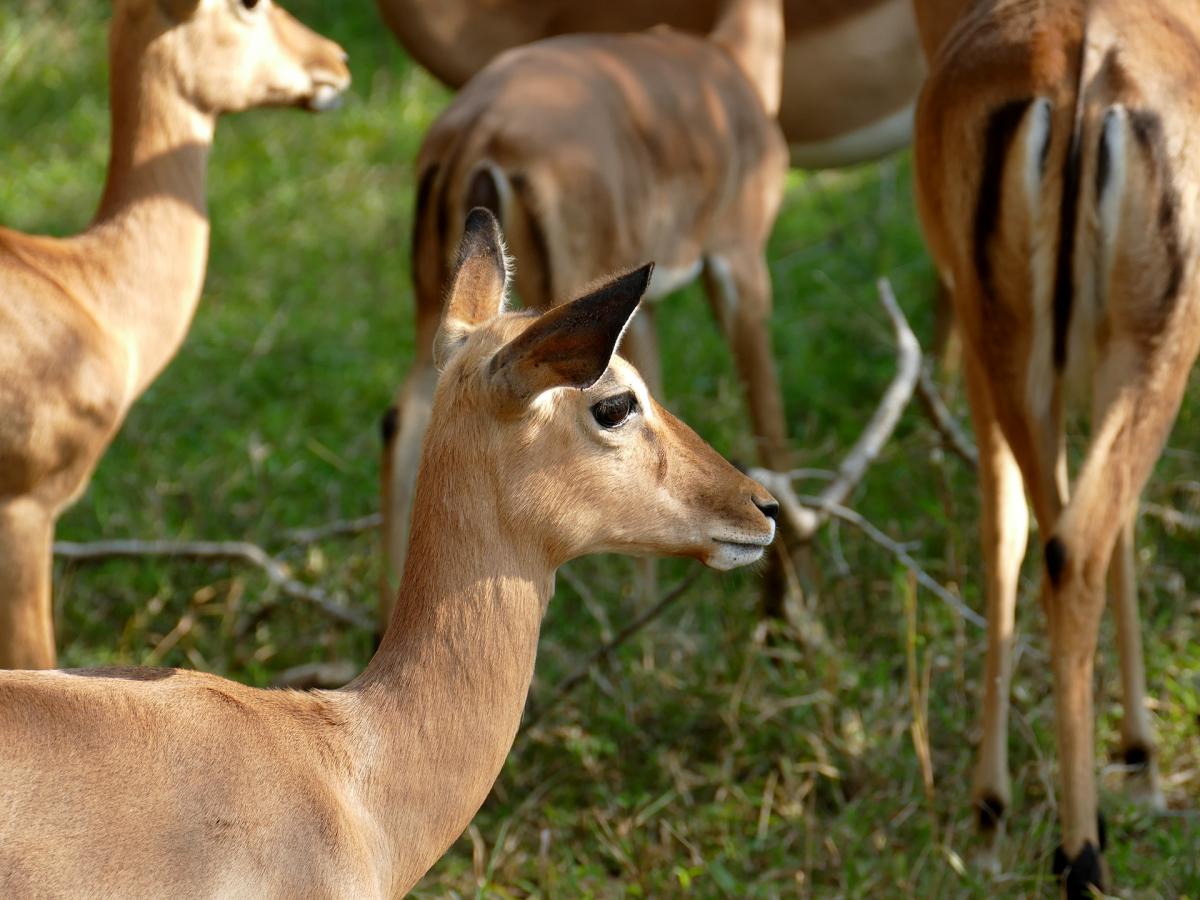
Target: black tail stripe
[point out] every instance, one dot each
(1064, 271)
(419, 232)
(1002, 125)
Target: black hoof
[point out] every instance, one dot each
(1081, 875)
(990, 810)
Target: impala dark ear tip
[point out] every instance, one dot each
(481, 219)
(640, 278)
(481, 234)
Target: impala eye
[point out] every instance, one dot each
(250, 4)
(612, 411)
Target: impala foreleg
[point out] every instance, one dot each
(739, 289)
(26, 615)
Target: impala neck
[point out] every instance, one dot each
(752, 31)
(444, 693)
(147, 247)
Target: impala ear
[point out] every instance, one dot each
(572, 345)
(179, 10)
(478, 285)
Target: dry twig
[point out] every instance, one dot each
(943, 420)
(229, 551)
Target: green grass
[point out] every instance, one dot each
(706, 759)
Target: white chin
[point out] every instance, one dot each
(325, 97)
(731, 556)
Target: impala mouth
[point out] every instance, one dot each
(731, 554)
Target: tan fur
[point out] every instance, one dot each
(851, 68)
(1116, 76)
(89, 321)
(607, 150)
(164, 783)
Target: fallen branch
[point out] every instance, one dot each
(807, 521)
(943, 420)
(229, 551)
(568, 684)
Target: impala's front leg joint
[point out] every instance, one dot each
(1056, 560)
(388, 425)
(990, 811)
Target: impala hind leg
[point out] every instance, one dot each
(1138, 744)
(1141, 393)
(640, 347)
(404, 427)
(26, 613)
(1004, 530)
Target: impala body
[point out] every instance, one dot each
(851, 68)
(542, 446)
(1059, 195)
(89, 321)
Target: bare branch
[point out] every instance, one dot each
(230, 551)
(339, 528)
(943, 420)
(807, 521)
(571, 682)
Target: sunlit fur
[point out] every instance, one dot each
(1056, 182)
(89, 321)
(163, 783)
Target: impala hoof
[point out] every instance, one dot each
(1082, 876)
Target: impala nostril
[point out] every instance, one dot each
(768, 508)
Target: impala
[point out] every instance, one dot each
(89, 321)
(596, 151)
(542, 446)
(1057, 189)
(851, 68)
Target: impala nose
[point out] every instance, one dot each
(768, 507)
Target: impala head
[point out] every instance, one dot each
(230, 55)
(582, 458)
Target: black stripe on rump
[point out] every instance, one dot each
(1002, 125)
